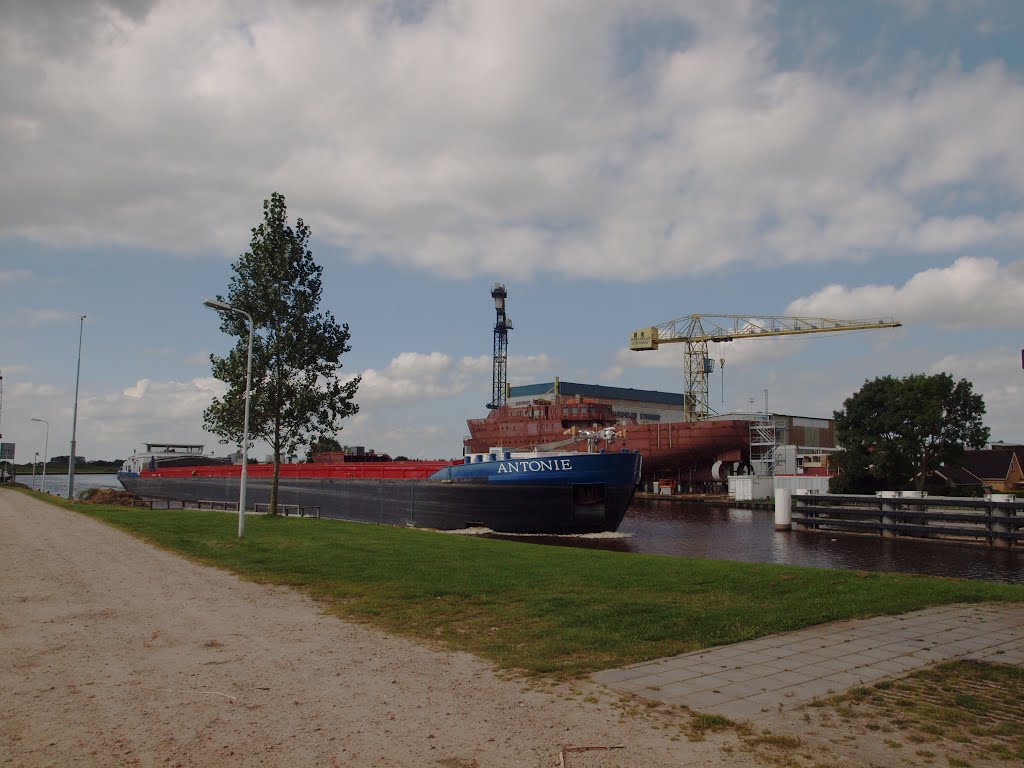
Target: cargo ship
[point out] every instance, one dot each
(562, 492)
(690, 451)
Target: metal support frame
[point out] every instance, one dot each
(502, 325)
(763, 442)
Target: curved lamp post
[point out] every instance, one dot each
(46, 448)
(221, 306)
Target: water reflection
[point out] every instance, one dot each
(687, 529)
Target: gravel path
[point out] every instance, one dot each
(117, 653)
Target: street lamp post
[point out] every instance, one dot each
(74, 420)
(46, 448)
(221, 306)
(35, 459)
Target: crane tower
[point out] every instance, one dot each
(502, 325)
(695, 331)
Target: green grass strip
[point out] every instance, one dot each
(540, 609)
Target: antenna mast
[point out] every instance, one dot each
(502, 326)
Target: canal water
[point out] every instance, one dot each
(693, 529)
(58, 484)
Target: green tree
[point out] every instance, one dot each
(322, 444)
(894, 431)
(296, 390)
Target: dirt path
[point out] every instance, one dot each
(117, 653)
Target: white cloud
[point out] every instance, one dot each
(147, 408)
(14, 276)
(996, 375)
(414, 376)
(36, 317)
(29, 389)
(970, 292)
(452, 150)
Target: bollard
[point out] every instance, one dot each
(783, 509)
(890, 507)
(999, 516)
(923, 520)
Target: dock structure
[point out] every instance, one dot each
(995, 520)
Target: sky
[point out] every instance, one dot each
(616, 164)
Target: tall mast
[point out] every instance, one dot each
(502, 326)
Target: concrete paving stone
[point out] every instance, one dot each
(791, 677)
(1005, 636)
(960, 632)
(976, 644)
(774, 684)
(707, 682)
(931, 655)
(747, 659)
(841, 681)
(665, 678)
(831, 665)
(760, 670)
(614, 676)
(736, 675)
(781, 652)
(855, 646)
(704, 699)
(761, 643)
(740, 710)
(896, 667)
(873, 674)
(810, 659)
(804, 644)
(679, 674)
(740, 690)
(675, 690)
(645, 668)
(730, 651)
(833, 651)
(776, 664)
(856, 660)
(877, 653)
(704, 667)
(813, 689)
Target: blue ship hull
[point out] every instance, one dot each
(552, 494)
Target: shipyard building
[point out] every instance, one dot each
(780, 444)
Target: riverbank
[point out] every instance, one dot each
(539, 610)
(120, 653)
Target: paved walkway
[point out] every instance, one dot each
(757, 678)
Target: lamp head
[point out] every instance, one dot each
(220, 306)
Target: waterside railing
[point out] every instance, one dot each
(996, 520)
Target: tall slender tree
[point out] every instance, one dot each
(297, 392)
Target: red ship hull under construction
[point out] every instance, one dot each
(682, 451)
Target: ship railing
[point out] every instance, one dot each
(227, 506)
(158, 503)
(302, 510)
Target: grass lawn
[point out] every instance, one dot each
(539, 609)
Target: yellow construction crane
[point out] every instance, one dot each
(697, 330)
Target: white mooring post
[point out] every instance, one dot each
(783, 509)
